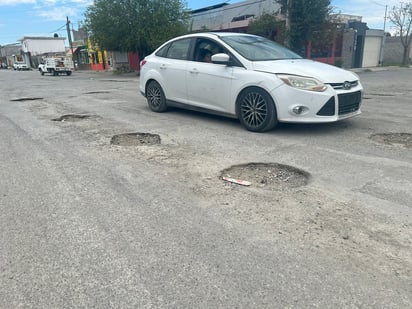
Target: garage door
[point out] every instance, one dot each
(371, 51)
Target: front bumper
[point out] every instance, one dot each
(318, 107)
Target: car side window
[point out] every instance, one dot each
(179, 49)
(205, 49)
(163, 51)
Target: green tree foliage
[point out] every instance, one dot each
(307, 21)
(266, 25)
(401, 17)
(135, 25)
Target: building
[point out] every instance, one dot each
(231, 17)
(33, 48)
(8, 52)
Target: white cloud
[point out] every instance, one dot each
(57, 13)
(15, 2)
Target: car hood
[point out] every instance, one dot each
(303, 67)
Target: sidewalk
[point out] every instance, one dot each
(377, 69)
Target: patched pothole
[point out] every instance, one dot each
(404, 139)
(135, 139)
(266, 175)
(71, 118)
(25, 99)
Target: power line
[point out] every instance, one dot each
(62, 27)
(377, 3)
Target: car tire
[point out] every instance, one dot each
(256, 110)
(68, 73)
(155, 97)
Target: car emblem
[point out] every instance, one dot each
(347, 85)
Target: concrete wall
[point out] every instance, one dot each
(393, 51)
(348, 48)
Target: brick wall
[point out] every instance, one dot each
(393, 51)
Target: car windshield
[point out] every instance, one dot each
(255, 48)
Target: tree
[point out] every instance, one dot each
(306, 21)
(401, 17)
(266, 25)
(135, 25)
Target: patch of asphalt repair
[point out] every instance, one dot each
(268, 175)
(135, 139)
(404, 139)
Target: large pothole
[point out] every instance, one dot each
(404, 139)
(135, 139)
(266, 175)
(71, 118)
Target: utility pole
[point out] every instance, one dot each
(287, 23)
(69, 36)
(384, 38)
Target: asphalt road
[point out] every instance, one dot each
(88, 224)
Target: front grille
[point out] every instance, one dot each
(339, 86)
(349, 102)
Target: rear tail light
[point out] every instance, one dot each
(143, 62)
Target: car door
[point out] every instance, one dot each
(172, 68)
(209, 85)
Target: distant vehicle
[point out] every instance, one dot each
(19, 63)
(250, 78)
(56, 65)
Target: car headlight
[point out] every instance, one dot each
(304, 83)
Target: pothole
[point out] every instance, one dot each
(383, 94)
(96, 92)
(114, 80)
(266, 175)
(25, 99)
(71, 118)
(404, 139)
(135, 139)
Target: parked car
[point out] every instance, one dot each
(250, 78)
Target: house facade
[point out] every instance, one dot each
(33, 48)
(231, 17)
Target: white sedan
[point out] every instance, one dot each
(247, 77)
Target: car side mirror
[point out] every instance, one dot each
(221, 59)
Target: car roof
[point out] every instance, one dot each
(213, 34)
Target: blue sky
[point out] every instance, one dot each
(20, 18)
